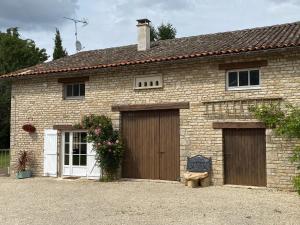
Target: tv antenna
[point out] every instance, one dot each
(84, 23)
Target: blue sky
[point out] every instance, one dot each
(113, 23)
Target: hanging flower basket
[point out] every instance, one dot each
(29, 128)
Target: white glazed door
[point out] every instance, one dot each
(74, 154)
(93, 170)
(50, 153)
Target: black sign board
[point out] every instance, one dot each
(198, 163)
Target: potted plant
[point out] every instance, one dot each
(28, 128)
(23, 164)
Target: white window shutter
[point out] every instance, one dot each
(50, 153)
(93, 170)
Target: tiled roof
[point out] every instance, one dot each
(263, 38)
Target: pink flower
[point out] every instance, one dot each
(109, 143)
(109, 150)
(98, 131)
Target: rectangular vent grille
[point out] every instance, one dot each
(147, 82)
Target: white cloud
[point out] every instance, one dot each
(35, 14)
(113, 22)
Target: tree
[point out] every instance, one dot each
(15, 53)
(153, 33)
(163, 32)
(166, 31)
(59, 51)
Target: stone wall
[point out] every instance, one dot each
(40, 101)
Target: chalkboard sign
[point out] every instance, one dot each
(198, 163)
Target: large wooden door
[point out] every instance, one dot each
(245, 156)
(152, 144)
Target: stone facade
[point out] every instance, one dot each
(40, 101)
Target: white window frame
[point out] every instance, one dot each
(73, 97)
(71, 133)
(248, 87)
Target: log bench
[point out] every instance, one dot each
(198, 171)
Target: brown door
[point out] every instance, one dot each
(152, 144)
(245, 156)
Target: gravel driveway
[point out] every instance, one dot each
(43, 201)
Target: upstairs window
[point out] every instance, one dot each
(74, 91)
(243, 79)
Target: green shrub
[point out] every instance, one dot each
(297, 183)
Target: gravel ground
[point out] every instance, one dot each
(43, 201)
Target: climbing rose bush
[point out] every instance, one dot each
(286, 124)
(106, 142)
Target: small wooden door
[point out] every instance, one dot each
(245, 156)
(152, 144)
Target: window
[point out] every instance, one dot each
(79, 149)
(243, 79)
(74, 91)
(75, 149)
(147, 82)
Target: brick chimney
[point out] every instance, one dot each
(143, 34)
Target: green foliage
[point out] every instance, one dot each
(166, 31)
(290, 126)
(163, 32)
(297, 183)
(153, 33)
(296, 156)
(285, 124)
(4, 114)
(270, 114)
(15, 53)
(59, 51)
(106, 142)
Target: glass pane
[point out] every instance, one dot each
(75, 160)
(67, 137)
(82, 160)
(232, 79)
(69, 92)
(243, 78)
(67, 148)
(76, 137)
(254, 77)
(76, 149)
(66, 160)
(83, 149)
(76, 90)
(82, 89)
(76, 142)
(83, 137)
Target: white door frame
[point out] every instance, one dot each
(71, 170)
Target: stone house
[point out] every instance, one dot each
(171, 99)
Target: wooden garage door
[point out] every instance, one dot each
(245, 156)
(152, 144)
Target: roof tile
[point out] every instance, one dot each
(277, 36)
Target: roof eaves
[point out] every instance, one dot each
(151, 60)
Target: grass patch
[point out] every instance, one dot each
(4, 159)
